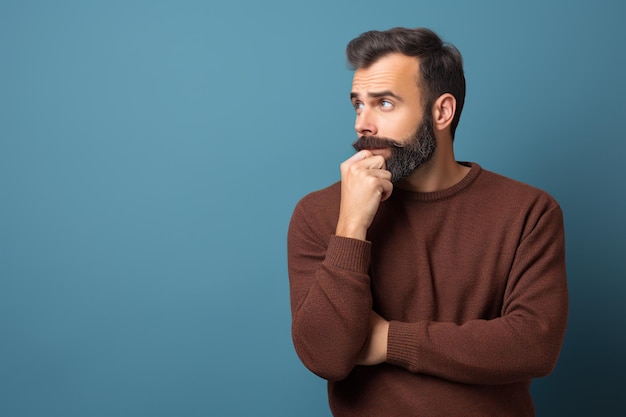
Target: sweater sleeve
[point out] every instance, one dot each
(330, 296)
(523, 343)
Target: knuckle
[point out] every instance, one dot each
(372, 181)
(353, 169)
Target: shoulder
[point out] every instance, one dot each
(514, 192)
(516, 203)
(324, 200)
(318, 211)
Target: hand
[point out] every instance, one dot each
(375, 349)
(364, 184)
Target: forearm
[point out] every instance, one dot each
(498, 351)
(331, 304)
(522, 343)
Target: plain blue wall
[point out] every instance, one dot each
(151, 153)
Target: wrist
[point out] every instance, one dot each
(353, 231)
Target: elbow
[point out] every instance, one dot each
(541, 358)
(541, 348)
(327, 363)
(329, 351)
(547, 352)
(328, 371)
(545, 362)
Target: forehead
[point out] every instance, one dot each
(395, 72)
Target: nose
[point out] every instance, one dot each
(365, 124)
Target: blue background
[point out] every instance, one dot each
(151, 153)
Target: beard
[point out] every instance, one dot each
(408, 155)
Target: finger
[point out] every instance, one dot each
(363, 154)
(372, 162)
(387, 190)
(381, 173)
(357, 157)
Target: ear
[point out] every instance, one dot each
(443, 111)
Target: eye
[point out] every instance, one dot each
(386, 104)
(357, 105)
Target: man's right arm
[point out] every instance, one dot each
(330, 297)
(331, 300)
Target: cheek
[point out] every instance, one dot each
(402, 125)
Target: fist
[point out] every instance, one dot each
(364, 184)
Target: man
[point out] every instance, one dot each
(423, 286)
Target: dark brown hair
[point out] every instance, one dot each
(441, 64)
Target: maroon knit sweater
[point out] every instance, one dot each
(472, 279)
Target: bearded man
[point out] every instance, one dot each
(420, 285)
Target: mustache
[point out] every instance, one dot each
(375, 142)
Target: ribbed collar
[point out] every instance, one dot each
(475, 170)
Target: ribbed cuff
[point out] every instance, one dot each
(402, 345)
(349, 254)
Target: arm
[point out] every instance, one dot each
(330, 298)
(329, 283)
(523, 343)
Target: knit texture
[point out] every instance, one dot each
(472, 279)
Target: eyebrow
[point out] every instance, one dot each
(378, 94)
